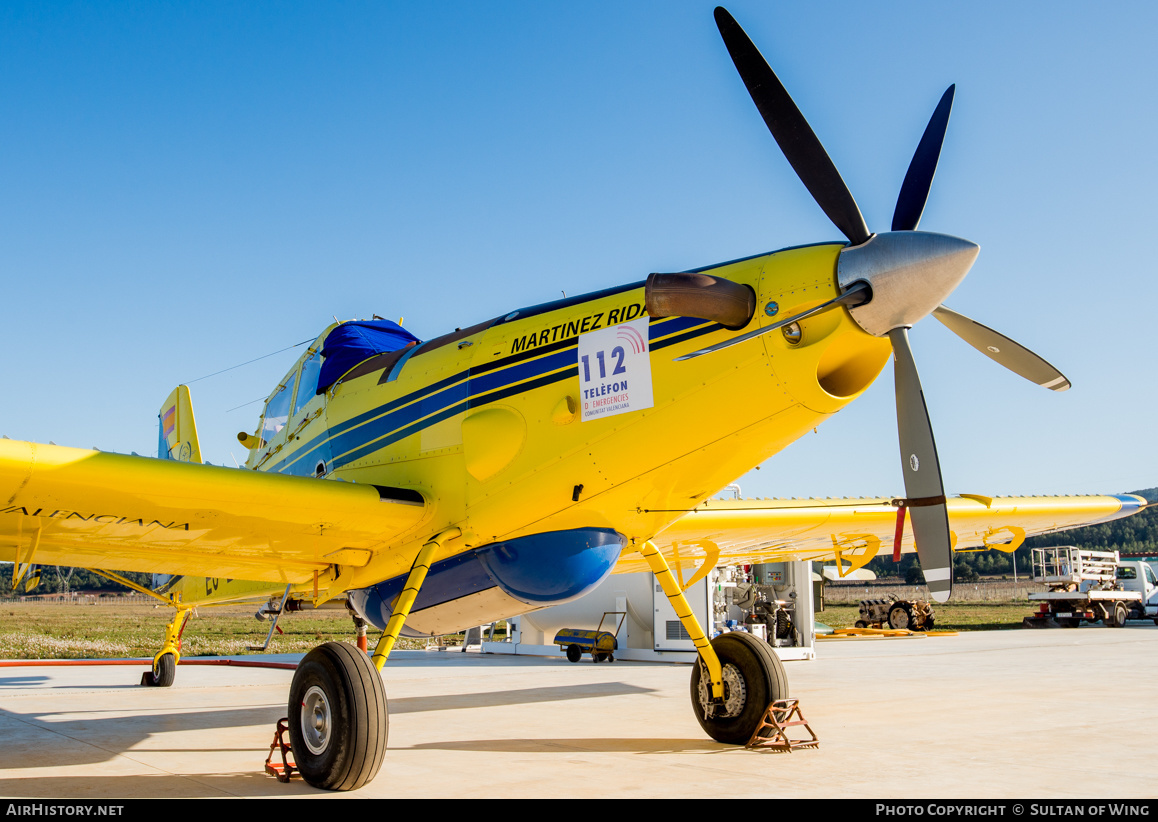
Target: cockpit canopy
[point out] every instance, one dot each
(344, 347)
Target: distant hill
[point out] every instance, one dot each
(1133, 535)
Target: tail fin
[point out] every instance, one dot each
(178, 430)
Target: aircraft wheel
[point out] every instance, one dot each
(753, 679)
(163, 673)
(574, 653)
(338, 718)
(900, 618)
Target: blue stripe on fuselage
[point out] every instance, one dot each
(398, 418)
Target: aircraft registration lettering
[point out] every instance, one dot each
(615, 370)
(103, 519)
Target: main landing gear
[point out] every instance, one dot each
(737, 676)
(753, 680)
(338, 719)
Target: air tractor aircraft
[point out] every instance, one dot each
(514, 464)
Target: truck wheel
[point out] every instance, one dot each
(1118, 618)
(900, 617)
(1071, 622)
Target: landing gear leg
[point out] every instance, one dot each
(165, 663)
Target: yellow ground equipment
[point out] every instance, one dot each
(599, 643)
(906, 614)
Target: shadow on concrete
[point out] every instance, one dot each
(98, 789)
(578, 745)
(523, 696)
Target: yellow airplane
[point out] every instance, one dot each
(513, 464)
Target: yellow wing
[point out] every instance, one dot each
(853, 531)
(67, 506)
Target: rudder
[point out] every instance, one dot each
(177, 431)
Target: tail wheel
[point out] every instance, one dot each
(338, 719)
(753, 679)
(164, 671)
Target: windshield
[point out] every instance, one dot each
(308, 382)
(277, 409)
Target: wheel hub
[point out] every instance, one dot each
(316, 720)
(735, 693)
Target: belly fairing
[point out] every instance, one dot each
(498, 581)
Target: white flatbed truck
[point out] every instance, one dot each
(1091, 586)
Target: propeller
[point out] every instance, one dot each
(888, 282)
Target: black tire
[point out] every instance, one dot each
(753, 663)
(860, 623)
(1070, 622)
(163, 673)
(574, 653)
(929, 624)
(900, 617)
(338, 718)
(1117, 618)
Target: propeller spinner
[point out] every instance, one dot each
(888, 282)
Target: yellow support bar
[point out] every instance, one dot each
(20, 568)
(684, 611)
(406, 599)
(128, 583)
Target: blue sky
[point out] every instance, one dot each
(187, 186)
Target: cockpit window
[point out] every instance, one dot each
(277, 409)
(308, 382)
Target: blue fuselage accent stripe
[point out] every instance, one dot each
(379, 427)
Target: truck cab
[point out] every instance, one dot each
(1136, 575)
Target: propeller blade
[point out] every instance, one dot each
(797, 140)
(924, 492)
(1002, 350)
(919, 177)
(857, 294)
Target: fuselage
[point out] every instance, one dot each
(488, 423)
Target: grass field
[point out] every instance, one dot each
(966, 616)
(54, 631)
